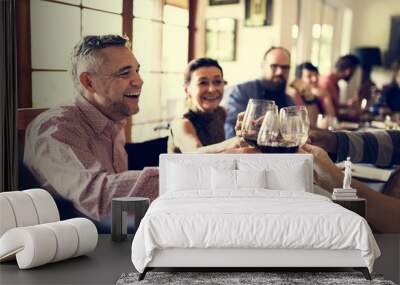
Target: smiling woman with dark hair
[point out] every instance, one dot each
(201, 129)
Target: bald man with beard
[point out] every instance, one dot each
(271, 86)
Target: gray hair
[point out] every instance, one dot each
(85, 56)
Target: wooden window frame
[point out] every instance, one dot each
(24, 66)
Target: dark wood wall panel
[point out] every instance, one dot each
(24, 65)
(192, 28)
(127, 21)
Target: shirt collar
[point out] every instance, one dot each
(97, 120)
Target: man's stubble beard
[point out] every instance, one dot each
(123, 111)
(276, 87)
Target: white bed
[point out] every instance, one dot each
(202, 219)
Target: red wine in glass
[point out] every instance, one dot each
(251, 140)
(278, 148)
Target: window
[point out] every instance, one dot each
(294, 39)
(160, 44)
(55, 28)
(322, 36)
(221, 39)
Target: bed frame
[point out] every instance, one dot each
(256, 258)
(250, 258)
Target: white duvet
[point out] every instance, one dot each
(250, 219)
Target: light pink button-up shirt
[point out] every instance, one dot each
(79, 153)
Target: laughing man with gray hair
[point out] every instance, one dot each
(77, 151)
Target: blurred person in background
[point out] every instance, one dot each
(390, 100)
(345, 68)
(305, 90)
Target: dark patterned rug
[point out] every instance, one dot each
(229, 278)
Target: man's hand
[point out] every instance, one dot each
(238, 126)
(235, 142)
(239, 122)
(324, 139)
(326, 173)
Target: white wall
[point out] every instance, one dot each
(371, 22)
(252, 42)
(371, 27)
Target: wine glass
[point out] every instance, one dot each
(253, 118)
(267, 140)
(294, 126)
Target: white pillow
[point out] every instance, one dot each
(292, 179)
(282, 173)
(251, 178)
(187, 176)
(183, 178)
(224, 179)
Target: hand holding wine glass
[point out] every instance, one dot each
(267, 139)
(238, 125)
(253, 118)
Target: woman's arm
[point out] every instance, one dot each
(186, 139)
(383, 212)
(185, 136)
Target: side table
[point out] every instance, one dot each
(119, 215)
(358, 206)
